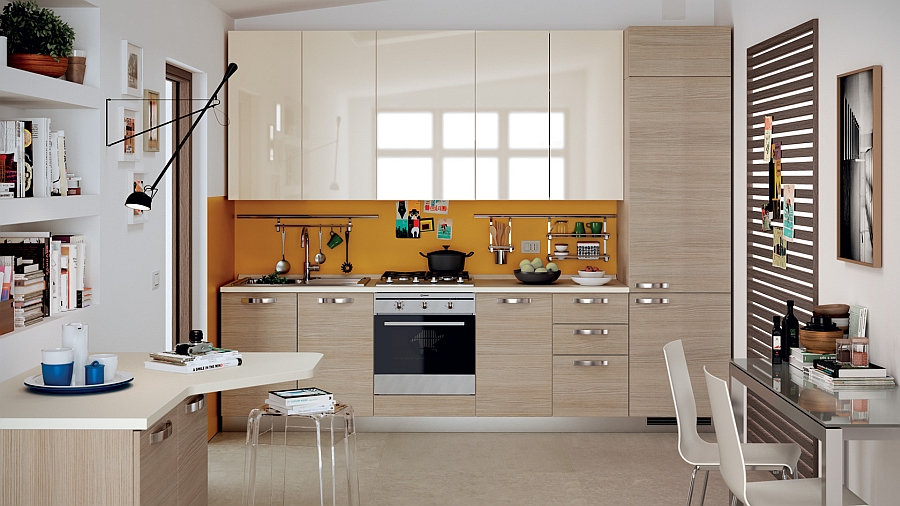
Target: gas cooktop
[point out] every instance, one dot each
(424, 278)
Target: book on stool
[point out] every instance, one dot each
(301, 401)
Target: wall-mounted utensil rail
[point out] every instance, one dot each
(551, 234)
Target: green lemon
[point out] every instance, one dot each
(527, 268)
(537, 263)
(540, 269)
(552, 267)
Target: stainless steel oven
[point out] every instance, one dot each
(425, 343)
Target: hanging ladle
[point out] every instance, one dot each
(320, 257)
(283, 266)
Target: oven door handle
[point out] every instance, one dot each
(424, 324)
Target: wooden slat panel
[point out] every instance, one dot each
(780, 102)
(764, 422)
(790, 271)
(785, 127)
(774, 91)
(781, 64)
(801, 43)
(782, 37)
(786, 140)
(795, 112)
(771, 292)
(802, 70)
(785, 167)
(799, 193)
(768, 277)
(802, 221)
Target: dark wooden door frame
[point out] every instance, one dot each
(181, 204)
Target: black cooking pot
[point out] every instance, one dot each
(447, 261)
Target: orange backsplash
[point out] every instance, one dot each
(374, 247)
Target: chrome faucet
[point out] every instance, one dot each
(307, 267)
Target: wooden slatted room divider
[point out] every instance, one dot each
(782, 75)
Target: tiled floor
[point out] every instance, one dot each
(422, 469)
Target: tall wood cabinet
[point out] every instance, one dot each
(675, 220)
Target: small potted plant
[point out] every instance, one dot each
(37, 39)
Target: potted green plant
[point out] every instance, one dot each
(37, 39)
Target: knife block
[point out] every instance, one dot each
(6, 317)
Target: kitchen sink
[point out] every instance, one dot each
(324, 281)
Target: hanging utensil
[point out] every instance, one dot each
(283, 266)
(346, 267)
(320, 257)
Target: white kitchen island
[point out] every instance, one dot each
(144, 444)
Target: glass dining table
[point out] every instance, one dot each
(832, 417)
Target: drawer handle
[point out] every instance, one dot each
(162, 434)
(651, 301)
(590, 332)
(651, 285)
(195, 406)
(259, 300)
(591, 363)
(591, 301)
(514, 301)
(336, 300)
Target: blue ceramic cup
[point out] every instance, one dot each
(93, 373)
(58, 375)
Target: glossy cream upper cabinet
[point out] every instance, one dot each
(338, 115)
(264, 110)
(513, 134)
(586, 130)
(425, 115)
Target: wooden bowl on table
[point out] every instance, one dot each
(832, 310)
(817, 341)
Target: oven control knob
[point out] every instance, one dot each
(450, 305)
(424, 305)
(434, 279)
(398, 305)
(415, 279)
(460, 280)
(389, 280)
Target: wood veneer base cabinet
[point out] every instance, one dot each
(258, 321)
(339, 326)
(513, 355)
(163, 465)
(703, 323)
(590, 385)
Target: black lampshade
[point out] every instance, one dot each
(139, 201)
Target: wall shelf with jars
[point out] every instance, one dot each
(594, 234)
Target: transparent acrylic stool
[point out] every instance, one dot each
(293, 446)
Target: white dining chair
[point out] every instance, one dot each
(805, 492)
(703, 455)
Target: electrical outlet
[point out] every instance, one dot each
(154, 280)
(531, 246)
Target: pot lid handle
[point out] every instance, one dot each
(446, 246)
(423, 254)
(470, 254)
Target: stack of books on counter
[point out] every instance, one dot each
(803, 360)
(831, 376)
(302, 401)
(170, 361)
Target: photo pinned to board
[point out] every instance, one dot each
(788, 222)
(779, 249)
(445, 229)
(426, 225)
(767, 139)
(407, 220)
(437, 206)
(777, 199)
(766, 222)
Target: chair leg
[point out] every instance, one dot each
(705, 483)
(733, 499)
(691, 488)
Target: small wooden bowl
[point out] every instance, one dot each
(832, 310)
(38, 63)
(818, 341)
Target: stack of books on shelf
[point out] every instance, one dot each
(831, 376)
(803, 360)
(302, 401)
(32, 159)
(171, 361)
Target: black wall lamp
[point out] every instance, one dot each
(141, 200)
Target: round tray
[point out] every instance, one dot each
(536, 278)
(36, 383)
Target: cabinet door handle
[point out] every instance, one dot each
(162, 434)
(591, 363)
(651, 285)
(590, 332)
(514, 301)
(196, 405)
(259, 300)
(336, 300)
(651, 301)
(591, 301)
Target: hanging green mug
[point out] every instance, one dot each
(334, 240)
(579, 229)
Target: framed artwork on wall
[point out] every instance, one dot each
(137, 181)
(129, 150)
(859, 147)
(151, 120)
(132, 69)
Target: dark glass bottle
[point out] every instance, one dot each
(777, 352)
(790, 329)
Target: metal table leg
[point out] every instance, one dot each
(832, 467)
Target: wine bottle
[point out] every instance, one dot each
(790, 329)
(776, 341)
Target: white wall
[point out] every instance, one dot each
(852, 35)
(127, 315)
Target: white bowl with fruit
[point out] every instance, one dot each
(592, 272)
(533, 272)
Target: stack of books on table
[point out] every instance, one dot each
(803, 360)
(832, 376)
(302, 401)
(170, 361)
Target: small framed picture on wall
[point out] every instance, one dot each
(129, 149)
(151, 120)
(132, 69)
(137, 182)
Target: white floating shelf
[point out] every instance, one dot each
(27, 90)
(14, 211)
(50, 324)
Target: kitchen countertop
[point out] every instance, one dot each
(147, 399)
(483, 283)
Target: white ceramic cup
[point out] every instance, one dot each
(56, 356)
(561, 247)
(110, 363)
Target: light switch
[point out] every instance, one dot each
(155, 280)
(531, 246)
